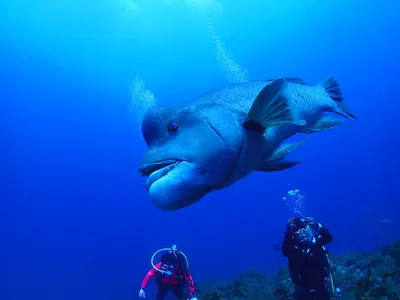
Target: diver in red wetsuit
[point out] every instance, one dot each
(171, 275)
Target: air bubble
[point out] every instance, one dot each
(295, 201)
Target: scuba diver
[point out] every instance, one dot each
(171, 274)
(308, 259)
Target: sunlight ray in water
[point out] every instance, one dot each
(130, 5)
(204, 5)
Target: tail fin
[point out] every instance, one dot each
(332, 87)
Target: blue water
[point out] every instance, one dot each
(75, 219)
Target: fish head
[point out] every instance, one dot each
(191, 151)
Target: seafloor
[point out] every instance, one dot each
(360, 276)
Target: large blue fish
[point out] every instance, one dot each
(212, 142)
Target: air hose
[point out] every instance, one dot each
(172, 249)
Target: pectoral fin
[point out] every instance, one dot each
(272, 107)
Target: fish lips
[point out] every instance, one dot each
(158, 169)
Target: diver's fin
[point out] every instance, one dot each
(271, 108)
(277, 165)
(285, 149)
(325, 123)
(290, 79)
(332, 87)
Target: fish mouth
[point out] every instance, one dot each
(158, 169)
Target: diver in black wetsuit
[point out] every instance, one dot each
(309, 268)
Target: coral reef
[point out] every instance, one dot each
(359, 276)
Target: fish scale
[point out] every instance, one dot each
(237, 96)
(308, 99)
(240, 96)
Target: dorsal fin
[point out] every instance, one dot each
(297, 80)
(239, 82)
(263, 80)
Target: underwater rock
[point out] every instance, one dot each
(360, 276)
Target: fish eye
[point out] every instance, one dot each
(173, 126)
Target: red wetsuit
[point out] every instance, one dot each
(173, 281)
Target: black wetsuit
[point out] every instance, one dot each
(178, 290)
(308, 261)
